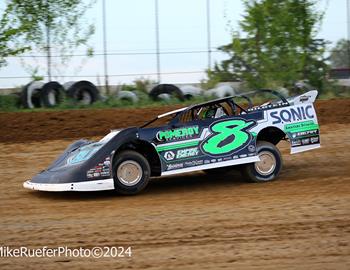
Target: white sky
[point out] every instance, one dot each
(131, 28)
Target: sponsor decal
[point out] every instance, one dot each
(101, 169)
(185, 153)
(305, 133)
(83, 153)
(296, 142)
(228, 137)
(169, 155)
(301, 134)
(292, 114)
(304, 98)
(305, 141)
(269, 106)
(314, 139)
(176, 134)
(301, 127)
(251, 148)
(175, 166)
(193, 163)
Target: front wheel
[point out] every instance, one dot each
(269, 166)
(131, 172)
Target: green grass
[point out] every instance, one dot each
(11, 103)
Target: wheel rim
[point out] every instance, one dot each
(267, 163)
(129, 173)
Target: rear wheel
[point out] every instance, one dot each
(269, 166)
(131, 172)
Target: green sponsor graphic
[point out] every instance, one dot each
(178, 133)
(302, 126)
(188, 152)
(176, 146)
(228, 136)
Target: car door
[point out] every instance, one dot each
(197, 144)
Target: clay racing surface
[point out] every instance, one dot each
(193, 221)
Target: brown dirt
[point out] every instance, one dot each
(53, 125)
(301, 221)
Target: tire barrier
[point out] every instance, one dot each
(30, 95)
(83, 92)
(168, 89)
(52, 94)
(221, 91)
(128, 96)
(190, 91)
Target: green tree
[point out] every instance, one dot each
(8, 37)
(276, 47)
(50, 24)
(340, 55)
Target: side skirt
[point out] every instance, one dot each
(214, 165)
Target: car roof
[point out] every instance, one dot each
(211, 102)
(215, 101)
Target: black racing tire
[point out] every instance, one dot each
(52, 94)
(30, 95)
(268, 168)
(135, 169)
(83, 92)
(169, 89)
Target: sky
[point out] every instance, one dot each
(182, 27)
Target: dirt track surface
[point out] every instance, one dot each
(301, 221)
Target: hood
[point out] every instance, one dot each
(80, 151)
(84, 159)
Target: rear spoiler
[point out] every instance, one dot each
(308, 97)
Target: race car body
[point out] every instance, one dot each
(208, 136)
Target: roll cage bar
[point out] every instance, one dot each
(230, 100)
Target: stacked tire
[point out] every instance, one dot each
(38, 94)
(167, 91)
(83, 92)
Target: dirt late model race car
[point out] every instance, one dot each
(208, 136)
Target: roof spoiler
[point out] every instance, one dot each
(308, 97)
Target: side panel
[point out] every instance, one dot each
(208, 144)
(299, 123)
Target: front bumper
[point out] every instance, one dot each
(97, 185)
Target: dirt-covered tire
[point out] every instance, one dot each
(131, 172)
(169, 89)
(52, 94)
(128, 96)
(83, 92)
(269, 166)
(30, 95)
(190, 91)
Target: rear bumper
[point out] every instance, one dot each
(97, 185)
